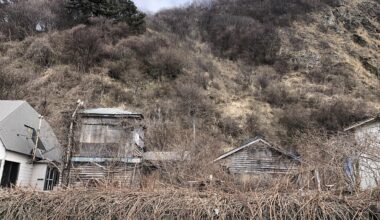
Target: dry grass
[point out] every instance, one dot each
(180, 204)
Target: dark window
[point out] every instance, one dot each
(10, 174)
(51, 178)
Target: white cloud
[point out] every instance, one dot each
(156, 5)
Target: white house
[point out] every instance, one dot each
(29, 149)
(367, 137)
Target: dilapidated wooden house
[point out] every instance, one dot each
(109, 147)
(258, 157)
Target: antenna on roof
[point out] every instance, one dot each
(37, 138)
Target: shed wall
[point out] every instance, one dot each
(91, 174)
(109, 137)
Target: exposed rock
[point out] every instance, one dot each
(359, 40)
(371, 65)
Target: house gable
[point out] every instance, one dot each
(256, 157)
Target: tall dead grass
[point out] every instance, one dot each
(180, 204)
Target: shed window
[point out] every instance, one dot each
(51, 178)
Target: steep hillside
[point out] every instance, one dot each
(232, 69)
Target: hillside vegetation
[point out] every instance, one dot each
(231, 69)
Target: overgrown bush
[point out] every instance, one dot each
(180, 21)
(230, 127)
(25, 18)
(241, 37)
(11, 85)
(265, 75)
(339, 112)
(40, 52)
(296, 119)
(277, 94)
(190, 101)
(82, 46)
(253, 127)
(166, 62)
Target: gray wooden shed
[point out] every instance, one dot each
(257, 156)
(109, 147)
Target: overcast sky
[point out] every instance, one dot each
(156, 5)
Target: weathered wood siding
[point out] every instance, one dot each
(259, 158)
(109, 137)
(91, 174)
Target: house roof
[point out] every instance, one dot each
(7, 107)
(166, 156)
(255, 141)
(364, 122)
(109, 112)
(15, 116)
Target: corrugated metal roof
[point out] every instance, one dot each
(14, 117)
(108, 111)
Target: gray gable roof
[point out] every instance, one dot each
(14, 117)
(254, 141)
(7, 107)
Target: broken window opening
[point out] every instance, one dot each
(10, 174)
(51, 178)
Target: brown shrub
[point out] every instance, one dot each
(230, 127)
(167, 62)
(241, 37)
(265, 75)
(254, 126)
(143, 46)
(23, 17)
(40, 52)
(82, 46)
(190, 101)
(340, 112)
(296, 119)
(278, 95)
(11, 84)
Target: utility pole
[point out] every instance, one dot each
(70, 142)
